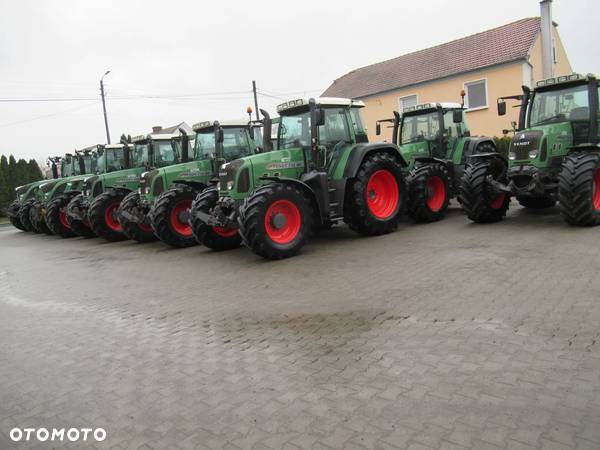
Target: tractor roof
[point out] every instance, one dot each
(154, 137)
(119, 146)
(208, 125)
(320, 101)
(549, 83)
(91, 148)
(428, 107)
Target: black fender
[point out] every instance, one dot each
(122, 189)
(360, 151)
(430, 160)
(197, 185)
(489, 156)
(584, 148)
(472, 144)
(316, 200)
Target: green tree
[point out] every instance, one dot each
(5, 189)
(35, 173)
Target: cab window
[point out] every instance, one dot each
(358, 123)
(335, 129)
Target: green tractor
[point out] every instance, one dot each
(105, 192)
(18, 210)
(435, 140)
(323, 172)
(166, 193)
(110, 158)
(554, 156)
(47, 214)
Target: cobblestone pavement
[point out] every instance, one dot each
(448, 335)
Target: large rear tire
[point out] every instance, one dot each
(276, 221)
(141, 232)
(13, 215)
(80, 227)
(215, 238)
(24, 216)
(428, 192)
(579, 189)
(103, 216)
(170, 216)
(36, 217)
(374, 199)
(56, 217)
(479, 200)
(536, 202)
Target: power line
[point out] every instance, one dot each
(49, 115)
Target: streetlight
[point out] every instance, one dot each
(104, 105)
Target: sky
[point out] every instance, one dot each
(193, 61)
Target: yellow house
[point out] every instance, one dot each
(486, 66)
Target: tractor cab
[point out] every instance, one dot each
(321, 129)
(429, 130)
(156, 150)
(226, 141)
(112, 157)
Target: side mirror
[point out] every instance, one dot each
(505, 132)
(501, 107)
(377, 128)
(320, 117)
(457, 116)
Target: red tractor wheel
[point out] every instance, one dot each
(579, 189)
(428, 192)
(276, 221)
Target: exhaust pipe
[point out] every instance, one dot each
(126, 153)
(267, 127)
(185, 143)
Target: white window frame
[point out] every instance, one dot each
(400, 108)
(487, 96)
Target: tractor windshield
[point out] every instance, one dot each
(294, 131)
(113, 159)
(141, 155)
(204, 147)
(560, 105)
(89, 161)
(164, 153)
(235, 143)
(420, 127)
(66, 168)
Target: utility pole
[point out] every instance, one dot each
(255, 99)
(104, 106)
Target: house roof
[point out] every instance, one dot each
(504, 44)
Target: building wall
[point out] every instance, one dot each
(502, 80)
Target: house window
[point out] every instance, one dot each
(476, 94)
(407, 102)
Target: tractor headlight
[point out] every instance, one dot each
(218, 185)
(512, 156)
(533, 154)
(230, 185)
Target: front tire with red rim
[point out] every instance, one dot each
(215, 238)
(56, 216)
(80, 227)
(579, 189)
(103, 215)
(170, 216)
(480, 201)
(136, 231)
(375, 198)
(276, 221)
(428, 192)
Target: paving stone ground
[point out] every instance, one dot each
(448, 335)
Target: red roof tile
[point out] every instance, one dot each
(507, 43)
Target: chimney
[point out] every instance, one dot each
(547, 38)
(157, 129)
